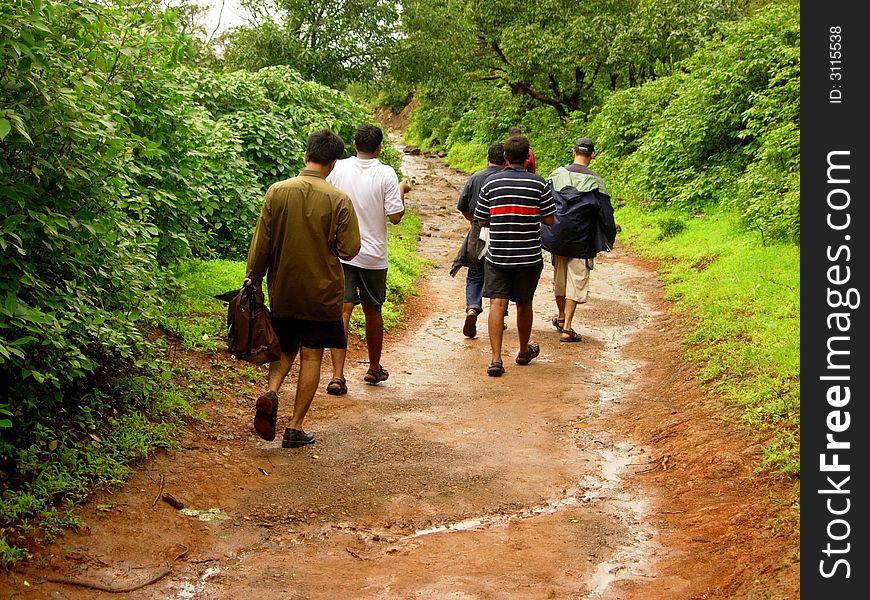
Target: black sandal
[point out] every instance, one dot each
(558, 323)
(336, 386)
(524, 358)
(495, 369)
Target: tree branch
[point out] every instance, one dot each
(521, 87)
(498, 52)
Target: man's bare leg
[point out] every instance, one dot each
(374, 335)
(339, 355)
(524, 325)
(279, 369)
(495, 325)
(310, 360)
(560, 304)
(570, 307)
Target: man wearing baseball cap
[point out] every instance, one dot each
(584, 226)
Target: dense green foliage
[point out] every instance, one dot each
(723, 129)
(334, 42)
(81, 214)
(559, 53)
(265, 116)
(729, 133)
(118, 160)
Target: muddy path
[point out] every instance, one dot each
(599, 471)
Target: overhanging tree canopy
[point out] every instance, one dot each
(560, 53)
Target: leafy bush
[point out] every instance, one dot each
(619, 127)
(80, 243)
(670, 226)
(733, 121)
(112, 171)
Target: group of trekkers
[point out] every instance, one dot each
(514, 213)
(321, 243)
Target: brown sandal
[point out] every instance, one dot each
(573, 336)
(266, 415)
(375, 376)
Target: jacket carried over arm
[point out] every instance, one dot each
(469, 254)
(584, 223)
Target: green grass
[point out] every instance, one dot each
(192, 312)
(742, 300)
(467, 156)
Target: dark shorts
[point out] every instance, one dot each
(517, 285)
(312, 334)
(364, 286)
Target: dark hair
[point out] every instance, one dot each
(514, 131)
(324, 146)
(368, 137)
(516, 149)
(496, 154)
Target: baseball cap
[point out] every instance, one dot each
(584, 145)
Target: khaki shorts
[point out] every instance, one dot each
(571, 277)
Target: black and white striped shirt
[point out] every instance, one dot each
(514, 201)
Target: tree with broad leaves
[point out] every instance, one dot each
(334, 42)
(561, 53)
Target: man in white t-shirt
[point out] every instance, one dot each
(375, 191)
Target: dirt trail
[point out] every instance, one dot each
(597, 472)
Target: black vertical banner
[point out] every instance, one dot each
(835, 299)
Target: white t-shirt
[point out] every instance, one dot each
(373, 188)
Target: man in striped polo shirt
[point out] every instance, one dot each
(513, 203)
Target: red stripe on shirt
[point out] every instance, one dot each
(514, 209)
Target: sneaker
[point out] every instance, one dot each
(296, 438)
(469, 330)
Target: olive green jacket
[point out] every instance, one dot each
(305, 226)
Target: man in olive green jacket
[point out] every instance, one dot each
(306, 225)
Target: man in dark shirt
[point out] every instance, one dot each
(306, 225)
(513, 203)
(468, 255)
